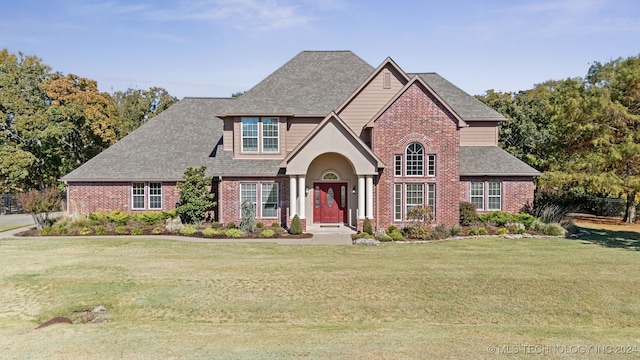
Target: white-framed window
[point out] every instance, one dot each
(494, 193)
(414, 196)
(249, 134)
(269, 197)
(155, 195)
(431, 197)
(138, 195)
(477, 194)
(260, 135)
(397, 202)
(146, 196)
(270, 135)
(397, 163)
(414, 160)
(431, 165)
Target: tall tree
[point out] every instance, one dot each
(136, 107)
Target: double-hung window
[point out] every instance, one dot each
(494, 195)
(431, 165)
(267, 197)
(397, 161)
(477, 195)
(146, 196)
(260, 134)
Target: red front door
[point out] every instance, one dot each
(329, 202)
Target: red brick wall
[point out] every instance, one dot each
(417, 117)
(229, 201)
(517, 192)
(89, 197)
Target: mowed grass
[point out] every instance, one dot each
(7, 227)
(456, 299)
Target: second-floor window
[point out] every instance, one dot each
(260, 134)
(415, 160)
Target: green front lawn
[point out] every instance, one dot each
(452, 299)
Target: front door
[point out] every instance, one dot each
(329, 202)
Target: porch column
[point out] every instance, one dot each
(302, 195)
(361, 192)
(292, 196)
(369, 194)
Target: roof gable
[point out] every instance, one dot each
(312, 83)
(332, 135)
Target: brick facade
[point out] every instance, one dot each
(516, 192)
(416, 116)
(87, 197)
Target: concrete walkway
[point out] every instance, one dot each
(321, 236)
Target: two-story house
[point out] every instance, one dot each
(327, 137)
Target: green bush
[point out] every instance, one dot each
(62, 229)
(418, 232)
(118, 217)
(47, 230)
(98, 218)
(497, 218)
(275, 224)
(231, 225)
(259, 225)
(363, 235)
(85, 231)
(478, 231)
(385, 238)
(537, 226)
(482, 231)
(150, 218)
(169, 214)
(553, 229)
(391, 229)
(136, 231)
(100, 230)
(195, 197)
(502, 231)
(455, 230)
(397, 235)
(440, 232)
(366, 226)
(208, 232)
(234, 233)
(188, 230)
(121, 230)
(216, 225)
(515, 227)
(267, 233)
(296, 226)
(468, 214)
(157, 230)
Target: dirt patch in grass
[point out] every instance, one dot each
(604, 222)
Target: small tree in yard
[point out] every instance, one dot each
(40, 204)
(195, 198)
(296, 226)
(421, 217)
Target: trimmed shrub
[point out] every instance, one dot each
(468, 213)
(391, 229)
(118, 217)
(150, 218)
(208, 232)
(502, 231)
(215, 225)
(515, 228)
(231, 225)
(267, 233)
(482, 231)
(385, 238)
(259, 225)
(275, 224)
(188, 230)
(553, 229)
(364, 235)
(101, 230)
(136, 231)
(366, 226)
(46, 230)
(98, 217)
(537, 226)
(397, 235)
(234, 233)
(85, 231)
(121, 230)
(296, 226)
(524, 219)
(157, 230)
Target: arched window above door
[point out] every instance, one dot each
(330, 175)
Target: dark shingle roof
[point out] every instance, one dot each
(491, 160)
(465, 105)
(185, 135)
(312, 83)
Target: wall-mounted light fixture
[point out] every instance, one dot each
(353, 191)
(306, 190)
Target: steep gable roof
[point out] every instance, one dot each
(312, 83)
(492, 161)
(465, 105)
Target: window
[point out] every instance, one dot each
(330, 176)
(431, 165)
(260, 134)
(270, 135)
(249, 134)
(269, 196)
(397, 201)
(155, 196)
(415, 160)
(431, 197)
(138, 195)
(477, 195)
(397, 160)
(494, 193)
(414, 196)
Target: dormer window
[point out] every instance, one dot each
(260, 134)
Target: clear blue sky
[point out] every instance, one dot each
(217, 47)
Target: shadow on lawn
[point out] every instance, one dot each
(615, 239)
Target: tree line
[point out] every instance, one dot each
(51, 123)
(583, 133)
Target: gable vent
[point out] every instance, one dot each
(386, 80)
